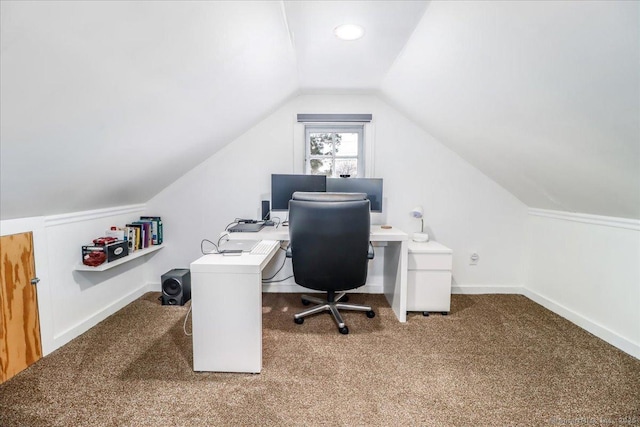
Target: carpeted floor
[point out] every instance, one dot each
(496, 360)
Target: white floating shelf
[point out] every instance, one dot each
(108, 265)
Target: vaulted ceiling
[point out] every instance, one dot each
(106, 103)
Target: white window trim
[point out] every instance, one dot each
(299, 146)
(336, 127)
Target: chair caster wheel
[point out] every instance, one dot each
(345, 298)
(425, 313)
(299, 321)
(305, 302)
(344, 330)
(444, 313)
(371, 314)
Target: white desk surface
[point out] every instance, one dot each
(245, 263)
(378, 234)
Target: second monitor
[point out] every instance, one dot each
(283, 186)
(371, 186)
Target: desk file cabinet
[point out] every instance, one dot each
(429, 278)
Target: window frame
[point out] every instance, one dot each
(357, 128)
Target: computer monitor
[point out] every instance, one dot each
(283, 186)
(371, 186)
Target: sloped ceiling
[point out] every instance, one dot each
(326, 62)
(542, 96)
(106, 103)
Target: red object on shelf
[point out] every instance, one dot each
(103, 241)
(94, 259)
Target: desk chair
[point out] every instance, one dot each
(329, 249)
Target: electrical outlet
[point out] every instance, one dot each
(474, 258)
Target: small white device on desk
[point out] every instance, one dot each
(429, 278)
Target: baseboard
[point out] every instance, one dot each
(284, 288)
(486, 289)
(154, 287)
(289, 288)
(586, 324)
(64, 337)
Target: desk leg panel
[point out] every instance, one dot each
(227, 322)
(395, 278)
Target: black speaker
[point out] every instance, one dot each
(265, 210)
(176, 286)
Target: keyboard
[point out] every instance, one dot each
(263, 247)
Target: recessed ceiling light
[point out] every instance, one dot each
(348, 32)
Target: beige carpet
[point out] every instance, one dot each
(495, 360)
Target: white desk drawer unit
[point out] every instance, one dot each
(429, 278)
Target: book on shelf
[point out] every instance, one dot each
(139, 235)
(144, 233)
(130, 233)
(156, 228)
(148, 232)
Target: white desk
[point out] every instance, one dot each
(395, 260)
(226, 299)
(226, 304)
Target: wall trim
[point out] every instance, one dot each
(292, 288)
(154, 287)
(487, 289)
(596, 329)
(80, 328)
(286, 288)
(608, 221)
(21, 225)
(68, 218)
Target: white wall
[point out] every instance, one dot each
(587, 269)
(464, 209)
(71, 302)
(582, 267)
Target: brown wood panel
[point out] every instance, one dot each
(20, 344)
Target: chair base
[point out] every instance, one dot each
(332, 305)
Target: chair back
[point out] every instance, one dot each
(329, 240)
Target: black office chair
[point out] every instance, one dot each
(329, 249)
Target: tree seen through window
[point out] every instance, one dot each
(334, 152)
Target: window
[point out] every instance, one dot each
(334, 144)
(334, 150)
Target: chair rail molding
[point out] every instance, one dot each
(607, 221)
(68, 218)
